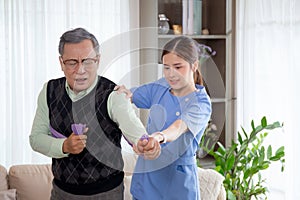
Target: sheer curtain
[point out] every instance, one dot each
(29, 36)
(268, 38)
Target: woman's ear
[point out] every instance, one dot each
(195, 66)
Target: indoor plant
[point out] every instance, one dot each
(241, 163)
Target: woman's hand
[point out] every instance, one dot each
(122, 89)
(149, 148)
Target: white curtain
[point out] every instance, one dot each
(29, 37)
(268, 41)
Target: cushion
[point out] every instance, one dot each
(211, 184)
(127, 182)
(32, 182)
(130, 159)
(8, 194)
(3, 178)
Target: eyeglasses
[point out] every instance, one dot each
(87, 62)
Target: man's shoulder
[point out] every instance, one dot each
(104, 80)
(105, 84)
(57, 80)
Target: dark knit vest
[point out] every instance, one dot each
(99, 167)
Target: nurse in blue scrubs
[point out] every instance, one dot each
(179, 112)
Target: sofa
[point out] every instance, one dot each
(34, 181)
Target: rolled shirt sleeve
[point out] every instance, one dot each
(122, 112)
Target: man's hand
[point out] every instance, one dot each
(75, 144)
(149, 148)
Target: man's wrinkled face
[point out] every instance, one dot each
(80, 63)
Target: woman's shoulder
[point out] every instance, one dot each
(201, 90)
(160, 84)
(199, 95)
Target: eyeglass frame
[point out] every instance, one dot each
(95, 59)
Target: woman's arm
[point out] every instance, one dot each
(174, 131)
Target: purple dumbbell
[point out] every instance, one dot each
(144, 137)
(78, 128)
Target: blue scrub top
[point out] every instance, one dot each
(173, 175)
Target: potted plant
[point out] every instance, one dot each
(242, 162)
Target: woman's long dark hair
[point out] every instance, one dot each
(187, 49)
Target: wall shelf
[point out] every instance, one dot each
(218, 16)
(204, 37)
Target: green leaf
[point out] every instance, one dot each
(218, 154)
(273, 126)
(246, 174)
(218, 168)
(278, 155)
(261, 155)
(264, 122)
(230, 195)
(274, 158)
(255, 162)
(252, 125)
(243, 161)
(269, 152)
(245, 133)
(221, 148)
(230, 162)
(264, 165)
(280, 150)
(240, 138)
(254, 170)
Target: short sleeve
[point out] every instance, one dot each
(141, 96)
(197, 111)
(144, 96)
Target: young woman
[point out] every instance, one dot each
(179, 112)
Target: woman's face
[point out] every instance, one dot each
(179, 74)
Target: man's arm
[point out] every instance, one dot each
(40, 137)
(122, 112)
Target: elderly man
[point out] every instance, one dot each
(79, 122)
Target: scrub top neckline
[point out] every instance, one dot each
(185, 96)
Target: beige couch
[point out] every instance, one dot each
(33, 182)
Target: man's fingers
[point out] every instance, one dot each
(153, 153)
(85, 130)
(136, 150)
(149, 144)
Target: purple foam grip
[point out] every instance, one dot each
(78, 128)
(144, 137)
(55, 133)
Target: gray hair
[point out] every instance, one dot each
(75, 36)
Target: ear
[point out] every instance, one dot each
(61, 63)
(98, 59)
(195, 66)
